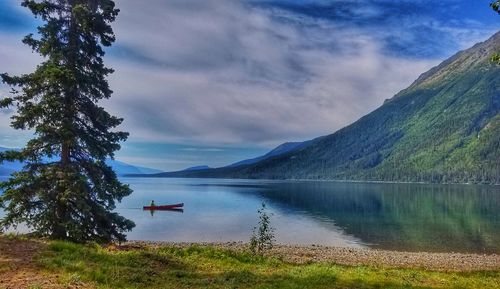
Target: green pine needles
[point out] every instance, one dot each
(495, 5)
(262, 237)
(66, 190)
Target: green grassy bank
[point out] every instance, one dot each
(92, 266)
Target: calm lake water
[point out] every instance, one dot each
(412, 217)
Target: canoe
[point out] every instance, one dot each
(164, 207)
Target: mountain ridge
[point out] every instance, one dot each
(120, 168)
(195, 168)
(279, 150)
(444, 128)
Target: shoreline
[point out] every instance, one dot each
(42, 263)
(152, 176)
(306, 254)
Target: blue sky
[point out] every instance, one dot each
(215, 81)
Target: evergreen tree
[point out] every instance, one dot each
(496, 6)
(66, 190)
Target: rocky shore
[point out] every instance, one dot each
(351, 256)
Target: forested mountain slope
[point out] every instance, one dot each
(279, 150)
(445, 128)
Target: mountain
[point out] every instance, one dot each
(197, 168)
(9, 167)
(120, 168)
(444, 128)
(279, 150)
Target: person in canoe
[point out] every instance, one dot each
(152, 203)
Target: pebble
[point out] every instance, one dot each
(353, 256)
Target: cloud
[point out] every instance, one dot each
(202, 149)
(16, 58)
(229, 72)
(221, 72)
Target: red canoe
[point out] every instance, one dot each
(164, 207)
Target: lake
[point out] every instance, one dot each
(413, 217)
(409, 217)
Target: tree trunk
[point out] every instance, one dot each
(60, 231)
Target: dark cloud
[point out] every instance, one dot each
(415, 29)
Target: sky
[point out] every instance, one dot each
(212, 82)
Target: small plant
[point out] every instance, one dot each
(262, 237)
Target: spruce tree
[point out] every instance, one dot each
(495, 5)
(66, 190)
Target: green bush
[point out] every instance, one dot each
(262, 237)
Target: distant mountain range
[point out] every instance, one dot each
(197, 168)
(279, 150)
(120, 168)
(444, 128)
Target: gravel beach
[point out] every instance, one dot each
(351, 256)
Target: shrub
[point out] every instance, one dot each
(262, 237)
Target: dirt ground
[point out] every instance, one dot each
(18, 269)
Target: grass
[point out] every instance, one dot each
(206, 267)
(29, 263)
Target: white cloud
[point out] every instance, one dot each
(226, 72)
(16, 58)
(223, 72)
(202, 149)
